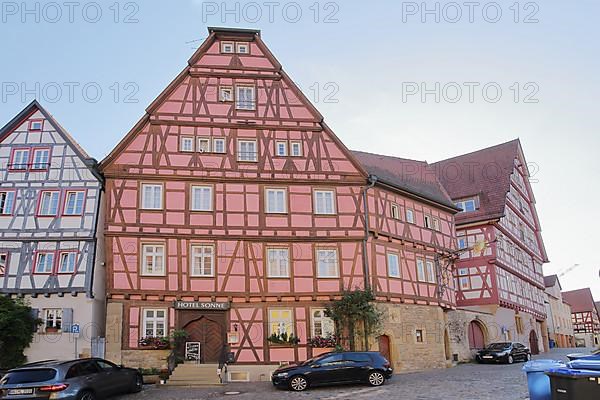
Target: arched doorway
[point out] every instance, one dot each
(533, 343)
(476, 336)
(384, 347)
(447, 345)
(210, 334)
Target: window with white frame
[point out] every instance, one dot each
(36, 125)
(466, 205)
(67, 262)
(49, 203)
(74, 202)
(52, 319)
(278, 260)
(7, 201)
(275, 201)
(153, 259)
(242, 48)
(280, 321)
(186, 144)
(410, 216)
(395, 211)
(427, 221)
(245, 98)
(41, 158)
(462, 243)
(203, 260)
(225, 93)
(154, 322)
(202, 197)
(20, 159)
(44, 263)
(327, 263)
(219, 145)
(464, 282)
(324, 202)
(3, 264)
(393, 261)
(247, 150)
(152, 197)
(431, 278)
(421, 276)
(436, 224)
(227, 47)
(203, 145)
(296, 149)
(281, 148)
(321, 325)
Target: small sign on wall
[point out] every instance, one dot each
(233, 337)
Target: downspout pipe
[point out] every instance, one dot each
(371, 180)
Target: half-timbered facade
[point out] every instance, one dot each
(585, 318)
(499, 279)
(235, 214)
(50, 195)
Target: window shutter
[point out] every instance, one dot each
(35, 314)
(67, 319)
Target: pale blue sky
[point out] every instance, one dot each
(364, 55)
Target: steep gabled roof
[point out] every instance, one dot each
(550, 281)
(484, 173)
(581, 300)
(33, 107)
(414, 177)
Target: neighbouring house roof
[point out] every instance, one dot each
(598, 307)
(581, 300)
(550, 281)
(28, 111)
(484, 173)
(414, 177)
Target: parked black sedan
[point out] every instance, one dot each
(83, 379)
(506, 352)
(331, 368)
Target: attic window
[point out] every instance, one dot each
(242, 48)
(35, 125)
(225, 93)
(467, 205)
(227, 47)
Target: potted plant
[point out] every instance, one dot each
(155, 342)
(283, 339)
(322, 344)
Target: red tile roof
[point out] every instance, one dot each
(581, 300)
(484, 173)
(416, 177)
(550, 281)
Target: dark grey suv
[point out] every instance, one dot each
(84, 379)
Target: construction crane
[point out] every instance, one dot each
(565, 271)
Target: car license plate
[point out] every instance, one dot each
(20, 391)
(487, 357)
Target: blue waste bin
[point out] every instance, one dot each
(585, 363)
(538, 382)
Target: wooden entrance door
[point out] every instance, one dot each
(384, 347)
(209, 331)
(533, 343)
(476, 338)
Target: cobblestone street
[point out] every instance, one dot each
(467, 381)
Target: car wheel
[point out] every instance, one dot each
(138, 384)
(86, 395)
(376, 378)
(528, 357)
(298, 383)
(510, 360)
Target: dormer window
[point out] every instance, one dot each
(242, 48)
(36, 125)
(227, 47)
(467, 205)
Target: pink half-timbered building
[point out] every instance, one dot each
(499, 279)
(235, 213)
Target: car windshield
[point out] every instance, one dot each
(29, 376)
(498, 346)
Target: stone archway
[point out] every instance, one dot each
(476, 335)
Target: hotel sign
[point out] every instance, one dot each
(200, 305)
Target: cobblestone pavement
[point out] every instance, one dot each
(464, 382)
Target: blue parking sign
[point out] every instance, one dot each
(75, 328)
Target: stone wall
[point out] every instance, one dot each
(145, 358)
(114, 332)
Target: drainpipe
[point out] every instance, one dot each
(372, 180)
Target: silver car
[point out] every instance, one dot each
(83, 379)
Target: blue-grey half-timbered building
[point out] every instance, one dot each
(50, 233)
